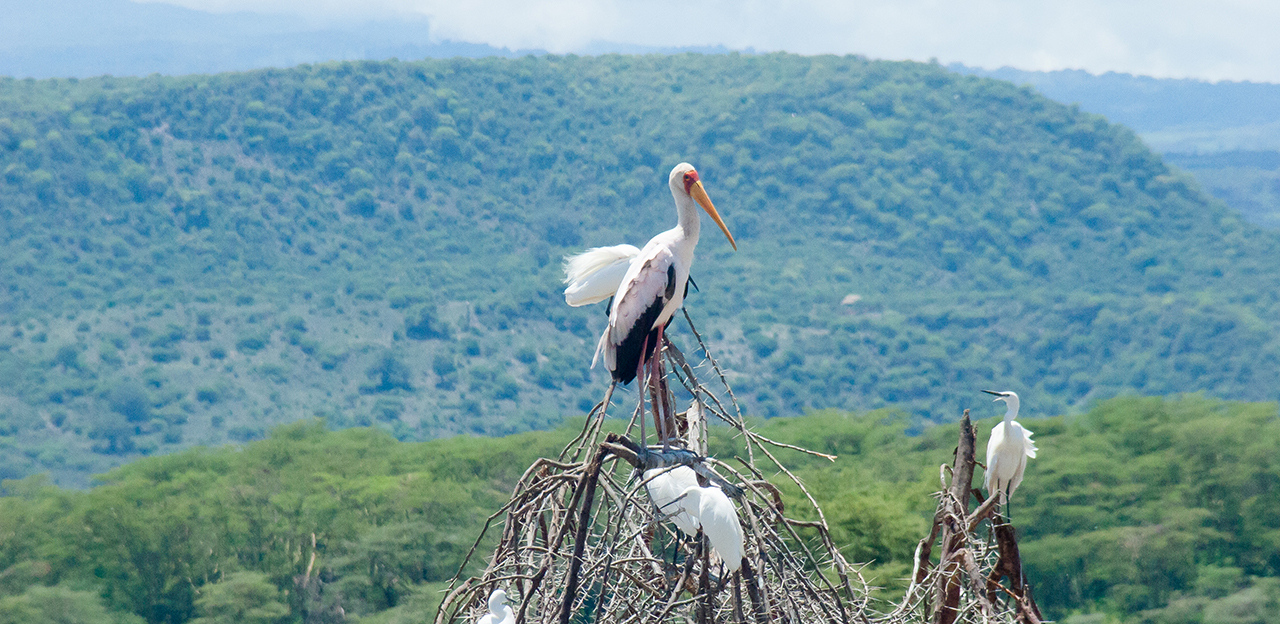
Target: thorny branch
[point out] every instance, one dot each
(573, 556)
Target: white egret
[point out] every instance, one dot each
(1007, 450)
(719, 521)
(499, 612)
(665, 487)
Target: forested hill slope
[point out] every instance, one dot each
(1150, 510)
(189, 260)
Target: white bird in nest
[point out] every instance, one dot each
(499, 612)
(1007, 450)
(665, 486)
(718, 518)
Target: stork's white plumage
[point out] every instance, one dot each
(665, 487)
(654, 285)
(1007, 450)
(595, 274)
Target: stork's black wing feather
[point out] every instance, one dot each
(642, 340)
(635, 345)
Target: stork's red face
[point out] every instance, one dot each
(693, 187)
(690, 178)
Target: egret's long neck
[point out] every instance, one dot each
(1011, 411)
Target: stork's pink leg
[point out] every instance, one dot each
(655, 401)
(659, 420)
(641, 386)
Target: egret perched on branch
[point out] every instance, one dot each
(719, 521)
(665, 487)
(499, 612)
(1007, 450)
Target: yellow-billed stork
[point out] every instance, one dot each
(653, 287)
(647, 285)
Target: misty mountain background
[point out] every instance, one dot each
(1226, 134)
(85, 38)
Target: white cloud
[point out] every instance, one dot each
(1226, 39)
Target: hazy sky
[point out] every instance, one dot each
(1223, 39)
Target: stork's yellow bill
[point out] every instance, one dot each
(693, 186)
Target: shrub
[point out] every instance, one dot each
(68, 356)
(253, 342)
(244, 433)
(363, 204)
(208, 395)
(241, 598)
(295, 323)
(388, 409)
(421, 323)
(130, 399)
(166, 355)
(330, 360)
(40, 604)
(388, 373)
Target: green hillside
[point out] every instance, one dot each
(1145, 509)
(194, 260)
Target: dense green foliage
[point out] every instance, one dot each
(380, 517)
(193, 260)
(1132, 506)
(1226, 134)
(1148, 509)
(1139, 495)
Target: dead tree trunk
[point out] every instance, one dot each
(964, 584)
(1010, 565)
(591, 477)
(954, 511)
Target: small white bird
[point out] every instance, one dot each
(595, 274)
(499, 612)
(718, 518)
(1007, 450)
(665, 487)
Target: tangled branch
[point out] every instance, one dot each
(582, 542)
